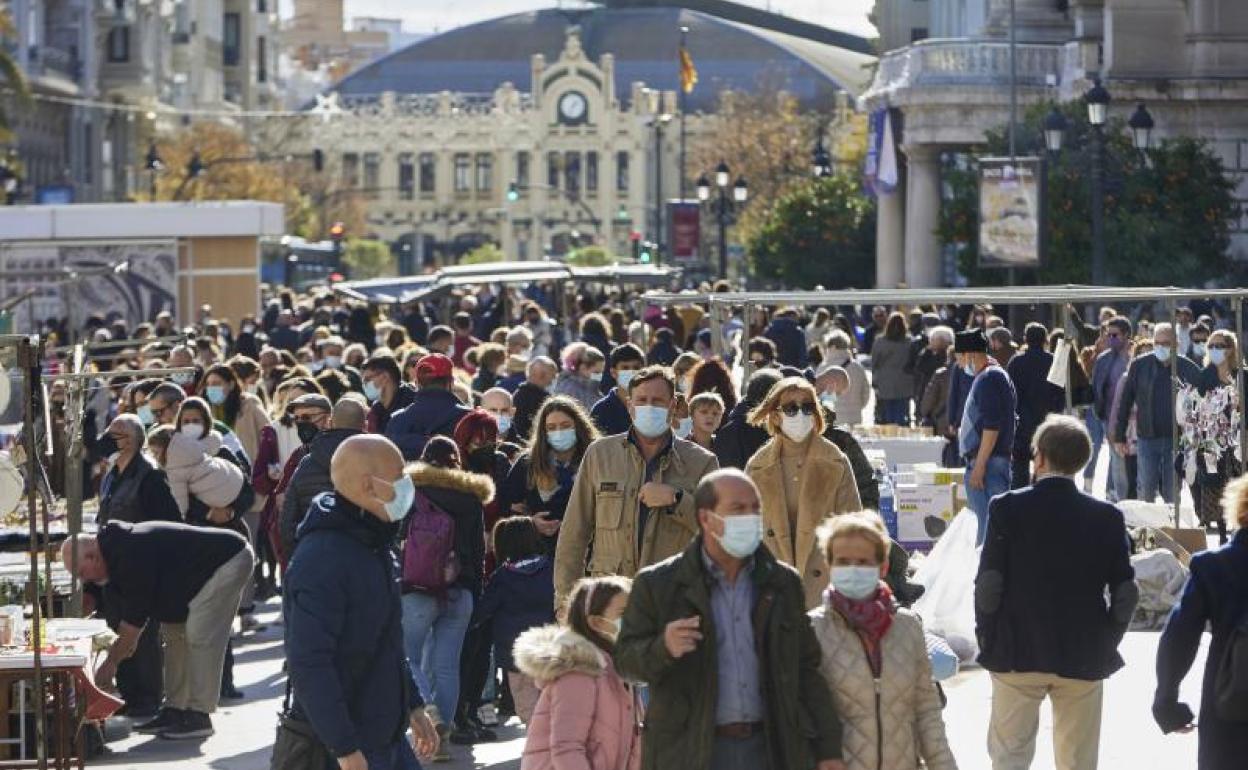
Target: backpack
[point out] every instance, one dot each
(1230, 684)
(430, 563)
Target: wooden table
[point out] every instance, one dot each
(62, 725)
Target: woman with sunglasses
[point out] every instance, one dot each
(802, 479)
(1222, 366)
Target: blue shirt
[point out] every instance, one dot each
(991, 405)
(740, 695)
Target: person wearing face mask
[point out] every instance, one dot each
(610, 413)
(385, 389)
(1037, 397)
(891, 712)
(633, 495)
(802, 479)
(434, 625)
(1146, 389)
(350, 680)
(854, 399)
(1198, 344)
(581, 377)
(499, 404)
(321, 438)
(1218, 378)
(242, 413)
(586, 709)
(986, 432)
(721, 636)
(1108, 368)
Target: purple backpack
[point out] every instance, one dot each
(430, 564)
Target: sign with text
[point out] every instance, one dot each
(684, 230)
(1010, 212)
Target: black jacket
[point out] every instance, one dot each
(1037, 397)
(311, 477)
(1148, 390)
(736, 441)
(527, 400)
(1050, 554)
(379, 414)
(463, 496)
(790, 340)
(864, 474)
(139, 493)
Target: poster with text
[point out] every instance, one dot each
(1010, 212)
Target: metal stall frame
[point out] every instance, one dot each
(1066, 296)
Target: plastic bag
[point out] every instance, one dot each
(948, 573)
(1137, 513)
(1059, 370)
(944, 659)
(1160, 577)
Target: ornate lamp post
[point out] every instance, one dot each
(723, 206)
(1097, 99)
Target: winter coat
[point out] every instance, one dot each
(888, 369)
(311, 477)
(905, 723)
(605, 510)
(433, 412)
(343, 629)
(463, 496)
(801, 725)
(194, 470)
(250, 420)
(736, 441)
(519, 596)
(849, 406)
(586, 716)
(1148, 390)
(828, 487)
(1037, 397)
(1216, 595)
(790, 341)
(379, 414)
(580, 389)
(934, 406)
(137, 494)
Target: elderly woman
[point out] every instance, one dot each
(581, 377)
(802, 479)
(840, 352)
(1213, 598)
(874, 657)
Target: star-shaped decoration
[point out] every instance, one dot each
(327, 106)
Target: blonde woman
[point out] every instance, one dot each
(802, 479)
(874, 658)
(1222, 364)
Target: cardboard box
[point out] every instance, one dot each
(927, 473)
(924, 512)
(1191, 540)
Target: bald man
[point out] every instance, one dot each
(344, 637)
(190, 580)
(311, 476)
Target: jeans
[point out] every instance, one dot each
(739, 753)
(1156, 461)
(996, 482)
(1116, 486)
(433, 635)
(1096, 430)
(895, 411)
(397, 756)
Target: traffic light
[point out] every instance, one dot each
(646, 253)
(634, 241)
(318, 160)
(513, 193)
(336, 231)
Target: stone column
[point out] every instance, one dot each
(922, 246)
(890, 238)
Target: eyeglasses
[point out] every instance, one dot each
(806, 407)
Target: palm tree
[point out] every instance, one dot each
(11, 78)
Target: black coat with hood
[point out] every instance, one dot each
(311, 477)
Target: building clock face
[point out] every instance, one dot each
(572, 106)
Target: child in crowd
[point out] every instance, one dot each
(586, 709)
(193, 468)
(519, 596)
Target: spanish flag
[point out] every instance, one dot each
(688, 73)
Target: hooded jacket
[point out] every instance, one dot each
(586, 716)
(433, 412)
(463, 496)
(519, 596)
(344, 633)
(311, 477)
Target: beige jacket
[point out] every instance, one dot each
(605, 509)
(247, 426)
(908, 724)
(827, 488)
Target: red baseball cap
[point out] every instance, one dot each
(434, 366)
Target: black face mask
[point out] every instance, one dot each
(482, 458)
(107, 445)
(307, 431)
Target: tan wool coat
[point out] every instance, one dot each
(827, 488)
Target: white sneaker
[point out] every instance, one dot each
(488, 715)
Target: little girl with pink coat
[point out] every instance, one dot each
(587, 717)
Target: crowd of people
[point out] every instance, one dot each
(543, 514)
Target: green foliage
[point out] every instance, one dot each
(366, 258)
(11, 78)
(590, 256)
(483, 254)
(1167, 215)
(821, 233)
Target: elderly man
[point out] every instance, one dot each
(190, 580)
(1147, 392)
(349, 678)
(498, 402)
(529, 397)
(986, 433)
(633, 496)
(720, 635)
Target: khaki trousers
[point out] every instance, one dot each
(1015, 720)
(195, 650)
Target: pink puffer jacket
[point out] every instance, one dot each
(585, 718)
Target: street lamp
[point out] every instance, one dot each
(1054, 130)
(724, 206)
(1097, 99)
(658, 120)
(820, 160)
(1141, 124)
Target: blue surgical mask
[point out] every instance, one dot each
(1162, 353)
(742, 534)
(856, 583)
(371, 391)
(216, 394)
(652, 421)
(561, 440)
(145, 415)
(969, 368)
(333, 362)
(504, 423)
(595, 376)
(1198, 349)
(182, 378)
(404, 495)
(684, 427)
(625, 377)
(1217, 356)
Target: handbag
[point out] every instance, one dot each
(1230, 683)
(297, 746)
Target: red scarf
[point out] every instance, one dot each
(870, 618)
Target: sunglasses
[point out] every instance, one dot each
(806, 407)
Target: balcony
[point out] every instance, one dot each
(963, 62)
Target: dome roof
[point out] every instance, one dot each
(478, 58)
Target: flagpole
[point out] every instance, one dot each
(680, 64)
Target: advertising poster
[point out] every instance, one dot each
(1010, 227)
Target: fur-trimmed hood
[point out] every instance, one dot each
(474, 484)
(546, 653)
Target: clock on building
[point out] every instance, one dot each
(572, 107)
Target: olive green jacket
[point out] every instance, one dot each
(801, 725)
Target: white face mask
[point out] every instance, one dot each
(798, 426)
(194, 430)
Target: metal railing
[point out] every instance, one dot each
(962, 61)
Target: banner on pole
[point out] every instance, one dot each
(1010, 212)
(684, 229)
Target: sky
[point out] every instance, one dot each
(439, 15)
